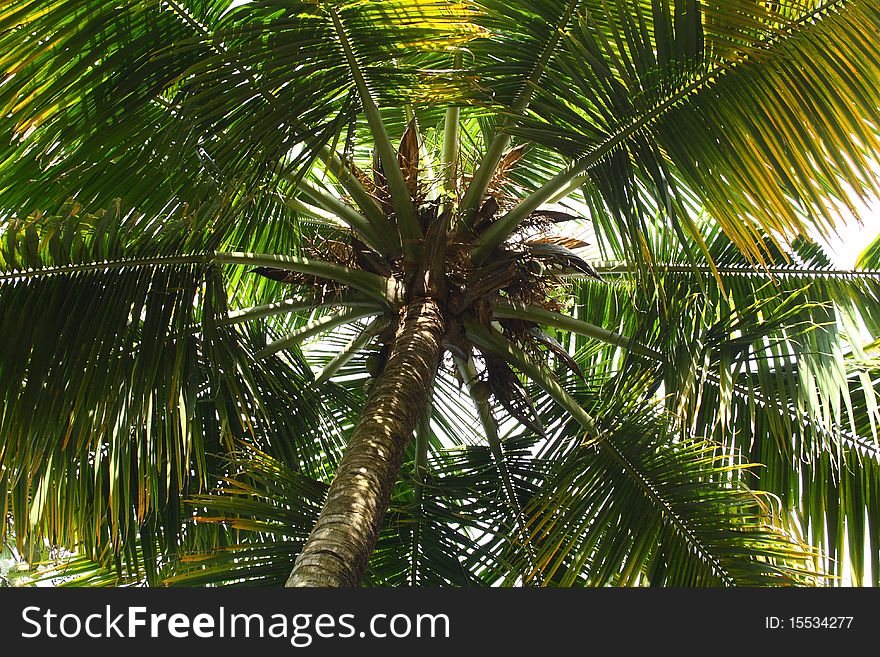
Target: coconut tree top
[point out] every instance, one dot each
(250, 251)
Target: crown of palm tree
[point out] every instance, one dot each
(592, 219)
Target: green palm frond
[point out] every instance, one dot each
(534, 30)
(148, 351)
(268, 509)
(795, 395)
(736, 543)
(676, 515)
(870, 257)
(183, 85)
(659, 116)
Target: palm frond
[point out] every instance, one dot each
(93, 304)
(772, 368)
(651, 509)
(268, 509)
(727, 119)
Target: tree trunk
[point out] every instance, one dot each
(337, 550)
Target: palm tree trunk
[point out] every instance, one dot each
(337, 550)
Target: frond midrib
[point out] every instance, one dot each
(98, 265)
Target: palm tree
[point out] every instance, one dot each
(596, 220)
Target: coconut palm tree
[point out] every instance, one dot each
(437, 292)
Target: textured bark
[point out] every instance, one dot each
(337, 550)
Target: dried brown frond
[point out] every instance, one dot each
(505, 166)
(408, 158)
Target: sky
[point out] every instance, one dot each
(855, 237)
